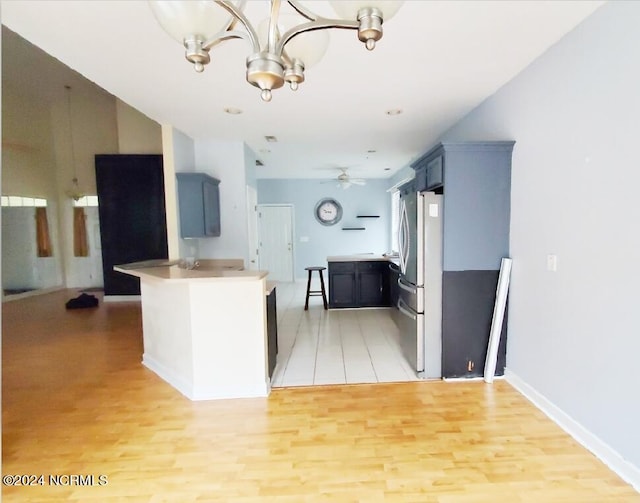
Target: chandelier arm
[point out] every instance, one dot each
(273, 26)
(303, 11)
(225, 35)
(236, 13)
(233, 21)
(318, 24)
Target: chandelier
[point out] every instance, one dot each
(282, 46)
(74, 192)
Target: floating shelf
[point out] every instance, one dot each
(367, 216)
(354, 228)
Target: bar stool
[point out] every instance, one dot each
(313, 293)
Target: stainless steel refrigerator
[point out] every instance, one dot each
(420, 281)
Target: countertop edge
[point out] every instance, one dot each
(174, 273)
(361, 258)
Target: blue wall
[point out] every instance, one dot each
(573, 340)
(324, 241)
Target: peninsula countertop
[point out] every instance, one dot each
(206, 270)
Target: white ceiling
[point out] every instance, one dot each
(437, 61)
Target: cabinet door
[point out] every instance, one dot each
(272, 331)
(394, 274)
(342, 284)
(133, 224)
(370, 289)
(435, 173)
(199, 205)
(421, 178)
(342, 290)
(211, 208)
(372, 279)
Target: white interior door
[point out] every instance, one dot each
(252, 225)
(275, 234)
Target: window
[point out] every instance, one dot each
(20, 201)
(80, 238)
(86, 201)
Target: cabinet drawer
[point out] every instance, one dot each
(372, 265)
(342, 267)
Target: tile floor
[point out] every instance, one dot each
(344, 346)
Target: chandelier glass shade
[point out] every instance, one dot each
(282, 46)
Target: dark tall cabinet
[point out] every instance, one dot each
(133, 223)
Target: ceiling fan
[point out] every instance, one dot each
(345, 180)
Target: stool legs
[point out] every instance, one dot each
(315, 292)
(324, 295)
(306, 302)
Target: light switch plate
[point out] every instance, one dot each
(433, 210)
(552, 263)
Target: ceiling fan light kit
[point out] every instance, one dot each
(280, 48)
(345, 181)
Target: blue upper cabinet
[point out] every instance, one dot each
(199, 205)
(475, 180)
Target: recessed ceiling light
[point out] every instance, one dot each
(271, 139)
(371, 151)
(233, 111)
(387, 169)
(394, 111)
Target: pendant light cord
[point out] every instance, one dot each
(73, 152)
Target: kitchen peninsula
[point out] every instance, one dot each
(205, 329)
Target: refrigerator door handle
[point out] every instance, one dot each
(407, 286)
(404, 310)
(407, 238)
(401, 238)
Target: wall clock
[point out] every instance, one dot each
(328, 211)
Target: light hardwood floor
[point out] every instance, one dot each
(77, 401)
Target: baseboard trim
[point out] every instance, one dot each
(121, 298)
(625, 470)
(201, 393)
(31, 293)
(467, 379)
(230, 393)
(168, 375)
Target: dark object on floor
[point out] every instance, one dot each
(83, 300)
